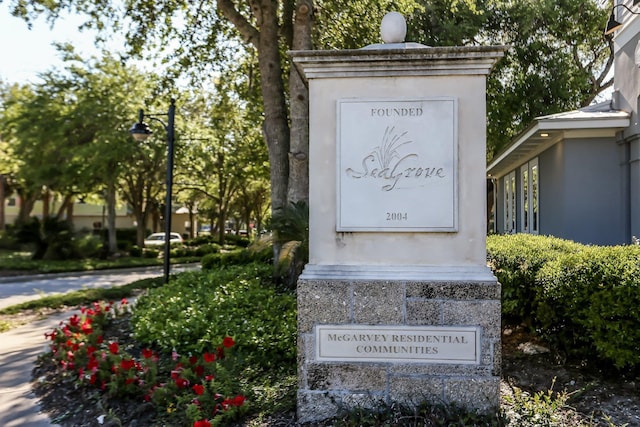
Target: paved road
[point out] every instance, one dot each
(14, 290)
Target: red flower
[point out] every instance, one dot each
(193, 360)
(147, 353)
(202, 423)
(198, 389)
(86, 327)
(113, 348)
(182, 383)
(236, 401)
(92, 363)
(209, 357)
(124, 301)
(74, 320)
(199, 370)
(127, 364)
(228, 342)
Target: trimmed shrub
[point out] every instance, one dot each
(150, 253)
(135, 251)
(261, 254)
(589, 303)
(515, 260)
(89, 246)
(203, 240)
(236, 240)
(207, 248)
(583, 300)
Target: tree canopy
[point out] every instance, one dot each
(558, 60)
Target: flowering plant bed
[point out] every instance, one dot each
(87, 351)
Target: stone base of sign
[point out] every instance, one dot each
(372, 299)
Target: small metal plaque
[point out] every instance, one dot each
(417, 344)
(397, 165)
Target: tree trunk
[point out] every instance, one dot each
(111, 217)
(27, 202)
(299, 151)
(46, 200)
(2, 197)
(275, 126)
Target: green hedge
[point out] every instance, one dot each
(585, 300)
(590, 303)
(237, 257)
(515, 260)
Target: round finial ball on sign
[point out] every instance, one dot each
(393, 28)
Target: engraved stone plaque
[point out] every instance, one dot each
(433, 344)
(397, 165)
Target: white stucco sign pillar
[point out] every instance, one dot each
(397, 303)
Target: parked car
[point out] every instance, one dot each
(157, 239)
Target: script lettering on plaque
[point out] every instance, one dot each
(397, 165)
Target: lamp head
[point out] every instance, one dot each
(140, 131)
(612, 25)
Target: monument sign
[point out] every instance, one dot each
(397, 303)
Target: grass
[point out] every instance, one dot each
(21, 261)
(83, 297)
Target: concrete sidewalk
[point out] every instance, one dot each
(19, 350)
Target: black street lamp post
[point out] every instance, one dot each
(140, 132)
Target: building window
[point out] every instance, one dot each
(510, 203)
(529, 196)
(11, 201)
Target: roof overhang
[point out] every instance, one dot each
(546, 131)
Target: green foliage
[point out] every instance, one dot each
(291, 231)
(207, 248)
(240, 301)
(355, 24)
(516, 260)
(589, 303)
(202, 240)
(53, 239)
(558, 61)
(582, 299)
(150, 253)
(135, 251)
(236, 240)
(292, 224)
(236, 257)
(543, 408)
(8, 241)
(90, 246)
